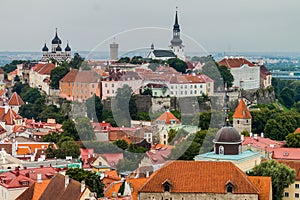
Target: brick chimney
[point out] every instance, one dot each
(39, 178)
(67, 181)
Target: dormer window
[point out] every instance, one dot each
(229, 188)
(221, 150)
(167, 186)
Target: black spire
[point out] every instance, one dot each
(176, 25)
(56, 39)
(226, 108)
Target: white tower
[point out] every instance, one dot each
(176, 43)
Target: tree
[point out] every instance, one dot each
(57, 74)
(282, 176)
(31, 95)
(51, 137)
(91, 179)
(124, 60)
(84, 129)
(29, 111)
(76, 61)
(51, 112)
(177, 64)
(69, 129)
(184, 151)
(122, 144)
(70, 148)
(287, 97)
(226, 75)
(293, 140)
(94, 108)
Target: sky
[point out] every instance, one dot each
(206, 25)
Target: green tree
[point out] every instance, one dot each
(94, 108)
(171, 134)
(287, 97)
(282, 176)
(226, 75)
(84, 129)
(20, 87)
(70, 148)
(51, 137)
(31, 95)
(122, 144)
(51, 112)
(293, 140)
(57, 74)
(185, 151)
(177, 64)
(69, 129)
(124, 60)
(90, 178)
(29, 111)
(76, 61)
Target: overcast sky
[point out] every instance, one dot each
(217, 25)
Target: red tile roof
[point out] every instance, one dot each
(297, 131)
(235, 62)
(13, 180)
(242, 112)
(167, 117)
(294, 164)
(136, 184)
(113, 158)
(158, 156)
(264, 144)
(15, 100)
(199, 177)
(35, 191)
(113, 189)
(85, 76)
(263, 184)
(44, 69)
(286, 154)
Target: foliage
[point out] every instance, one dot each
(287, 97)
(122, 144)
(171, 135)
(282, 176)
(84, 129)
(69, 129)
(102, 147)
(293, 140)
(76, 61)
(90, 178)
(144, 116)
(206, 120)
(132, 149)
(51, 137)
(51, 112)
(57, 74)
(177, 64)
(20, 87)
(31, 95)
(94, 108)
(136, 60)
(70, 148)
(13, 65)
(176, 113)
(147, 91)
(124, 60)
(121, 106)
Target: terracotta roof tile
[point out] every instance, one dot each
(200, 177)
(113, 189)
(242, 112)
(15, 100)
(297, 131)
(85, 76)
(264, 144)
(286, 154)
(235, 62)
(167, 117)
(44, 69)
(264, 185)
(294, 164)
(136, 184)
(35, 191)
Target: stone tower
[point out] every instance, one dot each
(242, 118)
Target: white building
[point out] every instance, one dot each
(246, 74)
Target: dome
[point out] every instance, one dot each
(45, 48)
(176, 41)
(67, 48)
(56, 39)
(58, 48)
(227, 134)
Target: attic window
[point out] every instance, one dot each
(229, 188)
(166, 187)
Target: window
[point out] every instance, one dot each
(296, 195)
(105, 85)
(286, 194)
(238, 121)
(112, 85)
(166, 187)
(297, 186)
(229, 188)
(221, 150)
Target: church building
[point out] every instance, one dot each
(176, 43)
(228, 146)
(56, 51)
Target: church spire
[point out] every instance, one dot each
(176, 24)
(226, 108)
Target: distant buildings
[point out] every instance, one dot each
(56, 51)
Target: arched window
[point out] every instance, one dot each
(221, 150)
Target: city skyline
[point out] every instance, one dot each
(207, 26)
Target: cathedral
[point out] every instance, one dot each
(56, 51)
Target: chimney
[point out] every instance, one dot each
(82, 186)
(67, 181)
(262, 134)
(27, 174)
(242, 137)
(25, 167)
(147, 174)
(39, 178)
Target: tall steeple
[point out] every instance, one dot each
(176, 43)
(226, 108)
